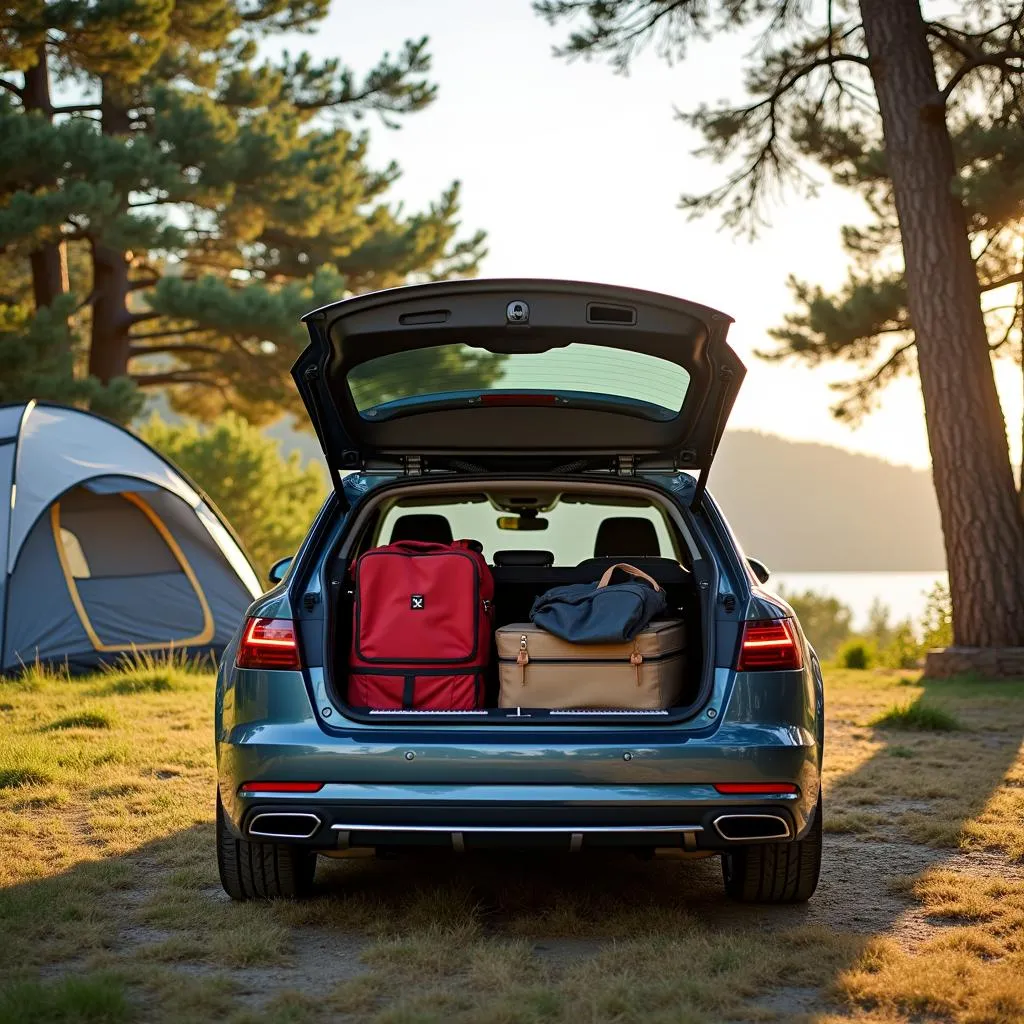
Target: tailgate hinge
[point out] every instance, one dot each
(413, 465)
(625, 465)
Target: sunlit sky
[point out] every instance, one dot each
(576, 172)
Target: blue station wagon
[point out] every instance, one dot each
(564, 427)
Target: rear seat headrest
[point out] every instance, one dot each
(425, 526)
(627, 535)
(541, 558)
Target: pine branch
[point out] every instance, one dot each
(767, 158)
(12, 88)
(652, 21)
(140, 351)
(953, 38)
(897, 355)
(138, 318)
(983, 60)
(856, 403)
(158, 380)
(78, 108)
(176, 332)
(1002, 282)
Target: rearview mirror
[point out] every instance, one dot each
(279, 569)
(760, 570)
(522, 523)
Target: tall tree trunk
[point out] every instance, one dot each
(111, 319)
(49, 262)
(981, 518)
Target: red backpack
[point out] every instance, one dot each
(422, 627)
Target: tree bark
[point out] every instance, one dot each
(110, 344)
(48, 262)
(981, 518)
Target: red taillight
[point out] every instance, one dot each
(268, 643)
(753, 788)
(280, 787)
(518, 399)
(769, 644)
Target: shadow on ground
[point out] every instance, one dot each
(599, 937)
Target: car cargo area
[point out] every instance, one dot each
(533, 537)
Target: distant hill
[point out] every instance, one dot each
(803, 507)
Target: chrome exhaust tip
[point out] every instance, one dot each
(284, 825)
(738, 828)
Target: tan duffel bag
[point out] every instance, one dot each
(538, 670)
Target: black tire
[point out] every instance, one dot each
(775, 872)
(261, 871)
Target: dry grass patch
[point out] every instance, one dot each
(106, 865)
(972, 972)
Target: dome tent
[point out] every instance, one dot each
(106, 546)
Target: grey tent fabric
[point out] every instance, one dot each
(41, 622)
(6, 480)
(10, 421)
(127, 610)
(59, 448)
(108, 547)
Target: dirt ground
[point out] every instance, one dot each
(919, 915)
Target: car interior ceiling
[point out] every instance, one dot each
(522, 575)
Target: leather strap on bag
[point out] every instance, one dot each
(523, 658)
(629, 570)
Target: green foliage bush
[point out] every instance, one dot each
(937, 621)
(901, 645)
(857, 653)
(269, 499)
(826, 620)
(902, 650)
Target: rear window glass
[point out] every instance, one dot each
(571, 534)
(455, 371)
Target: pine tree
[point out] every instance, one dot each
(866, 74)
(217, 198)
(867, 321)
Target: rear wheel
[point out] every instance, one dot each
(261, 871)
(775, 872)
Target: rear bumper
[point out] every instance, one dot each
(690, 817)
(437, 785)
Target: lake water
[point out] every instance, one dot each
(903, 592)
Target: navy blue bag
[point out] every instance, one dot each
(599, 613)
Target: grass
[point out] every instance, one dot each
(84, 720)
(913, 716)
(109, 893)
(87, 1000)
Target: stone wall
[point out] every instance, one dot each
(981, 662)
